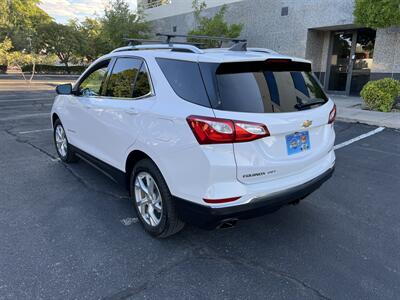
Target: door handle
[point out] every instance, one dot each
(132, 111)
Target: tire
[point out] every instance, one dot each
(165, 221)
(64, 152)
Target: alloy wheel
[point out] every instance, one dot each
(61, 141)
(148, 199)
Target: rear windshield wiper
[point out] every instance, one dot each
(300, 105)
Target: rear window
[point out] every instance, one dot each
(185, 79)
(262, 88)
(254, 87)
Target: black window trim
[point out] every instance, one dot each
(143, 63)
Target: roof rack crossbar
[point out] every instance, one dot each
(148, 44)
(173, 47)
(169, 37)
(135, 42)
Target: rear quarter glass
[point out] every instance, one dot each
(185, 79)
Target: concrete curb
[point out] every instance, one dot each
(349, 110)
(368, 122)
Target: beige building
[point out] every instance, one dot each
(344, 55)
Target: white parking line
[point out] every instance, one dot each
(360, 137)
(34, 131)
(20, 117)
(32, 105)
(23, 100)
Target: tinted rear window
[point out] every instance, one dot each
(122, 78)
(252, 88)
(185, 79)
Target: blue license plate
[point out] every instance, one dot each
(298, 142)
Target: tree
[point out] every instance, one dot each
(62, 40)
(93, 43)
(214, 26)
(5, 48)
(17, 58)
(377, 13)
(120, 22)
(19, 20)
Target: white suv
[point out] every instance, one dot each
(199, 136)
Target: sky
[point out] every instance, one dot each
(63, 10)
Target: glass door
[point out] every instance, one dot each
(340, 63)
(362, 59)
(350, 62)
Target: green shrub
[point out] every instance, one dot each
(381, 94)
(50, 69)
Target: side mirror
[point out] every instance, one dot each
(64, 89)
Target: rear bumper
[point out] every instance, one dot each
(208, 218)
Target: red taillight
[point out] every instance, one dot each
(215, 201)
(209, 130)
(248, 131)
(332, 115)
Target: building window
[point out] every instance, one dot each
(285, 11)
(154, 3)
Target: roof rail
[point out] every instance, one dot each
(172, 47)
(146, 44)
(169, 37)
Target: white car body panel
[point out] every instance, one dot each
(110, 129)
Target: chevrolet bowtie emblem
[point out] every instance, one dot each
(307, 123)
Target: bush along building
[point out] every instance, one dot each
(345, 56)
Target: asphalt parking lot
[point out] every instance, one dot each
(67, 231)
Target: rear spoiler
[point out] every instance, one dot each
(271, 64)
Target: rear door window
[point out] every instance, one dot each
(122, 78)
(185, 79)
(142, 85)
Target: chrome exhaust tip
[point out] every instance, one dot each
(228, 223)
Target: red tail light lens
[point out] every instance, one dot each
(332, 115)
(209, 130)
(225, 200)
(247, 131)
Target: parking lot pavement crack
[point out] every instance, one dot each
(90, 186)
(130, 292)
(208, 253)
(66, 167)
(17, 138)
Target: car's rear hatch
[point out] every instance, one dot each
(284, 96)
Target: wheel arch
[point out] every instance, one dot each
(135, 156)
(132, 159)
(54, 117)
